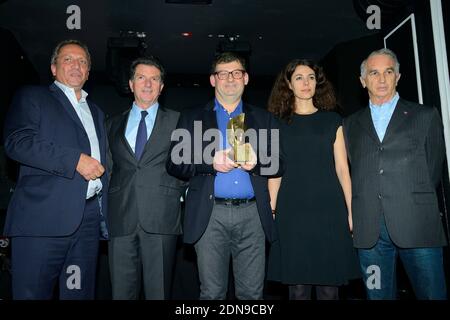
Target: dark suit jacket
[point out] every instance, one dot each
(200, 197)
(142, 191)
(45, 135)
(397, 177)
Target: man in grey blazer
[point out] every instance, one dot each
(144, 200)
(396, 151)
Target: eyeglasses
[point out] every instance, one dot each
(236, 74)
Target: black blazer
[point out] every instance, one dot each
(396, 177)
(142, 191)
(200, 196)
(44, 134)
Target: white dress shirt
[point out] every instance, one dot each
(84, 113)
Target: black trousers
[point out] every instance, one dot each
(38, 263)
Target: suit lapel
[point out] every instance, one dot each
(96, 119)
(122, 130)
(156, 135)
(98, 127)
(209, 118)
(401, 113)
(67, 106)
(248, 120)
(365, 120)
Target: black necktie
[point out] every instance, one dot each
(141, 137)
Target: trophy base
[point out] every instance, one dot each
(241, 154)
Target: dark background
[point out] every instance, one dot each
(269, 33)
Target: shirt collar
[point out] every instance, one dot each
(136, 110)
(387, 105)
(237, 111)
(71, 92)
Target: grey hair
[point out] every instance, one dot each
(63, 43)
(383, 51)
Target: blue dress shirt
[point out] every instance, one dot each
(382, 114)
(133, 122)
(236, 183)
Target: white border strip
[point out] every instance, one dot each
(440, 51)
(416, 52)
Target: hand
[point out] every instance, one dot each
(89, 167)
(249, 165)
(222, 163)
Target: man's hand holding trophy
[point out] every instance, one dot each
(241, 154)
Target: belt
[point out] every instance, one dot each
(233, 202)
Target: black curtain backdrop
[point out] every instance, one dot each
(342, 67)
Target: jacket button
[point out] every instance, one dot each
(210, 197)
(381, 171)
(381, 148)
(380, 197)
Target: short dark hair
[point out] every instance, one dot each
(64, 43)
(227, 57)
(148, 61)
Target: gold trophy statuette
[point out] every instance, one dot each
(236, 138)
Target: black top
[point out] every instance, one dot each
(315, 245)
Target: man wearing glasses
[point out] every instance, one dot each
(227, 211)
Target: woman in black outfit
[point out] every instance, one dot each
(312, 200)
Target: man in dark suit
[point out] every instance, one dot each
(396, 151)
(55, 215)
(227, 206)
(144, 200)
